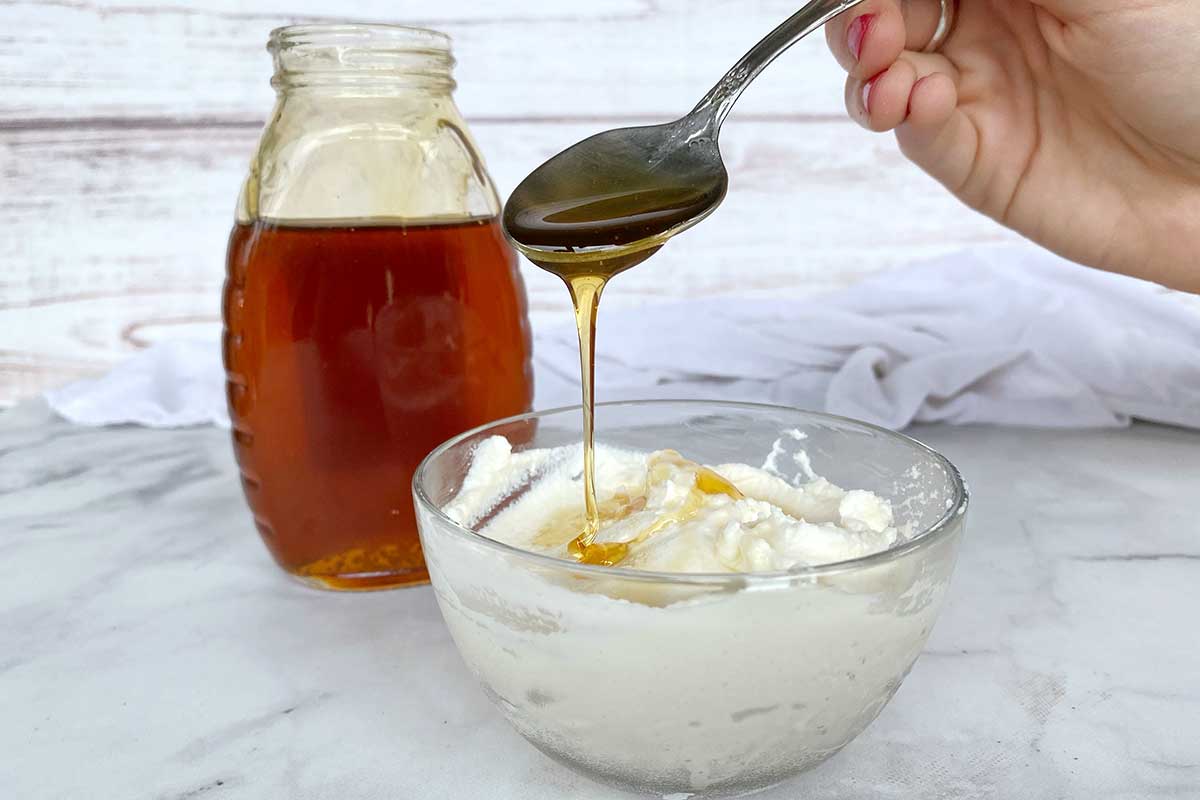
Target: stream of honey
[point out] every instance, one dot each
(586, 242)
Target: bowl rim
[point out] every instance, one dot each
(919, 541)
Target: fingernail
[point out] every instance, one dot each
(868, 87)
(856, 34)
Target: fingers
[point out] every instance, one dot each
(870, 38)
(936, 136)
(894, 86)
(888, 99)
(931, 102)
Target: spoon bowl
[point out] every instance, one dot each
(628, 189)
(621, 194)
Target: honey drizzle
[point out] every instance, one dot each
(585, 296)
(586, 228)
(586, 274)
(707, 482)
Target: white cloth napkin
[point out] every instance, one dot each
(1004, 336)
(172, 384)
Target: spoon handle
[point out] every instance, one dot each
(717, 104)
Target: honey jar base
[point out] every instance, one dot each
(365, 581)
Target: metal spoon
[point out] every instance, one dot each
(626, 191)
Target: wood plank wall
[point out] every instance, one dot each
(125, 129)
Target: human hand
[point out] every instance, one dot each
(1074, 122)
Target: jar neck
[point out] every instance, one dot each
(366, 58)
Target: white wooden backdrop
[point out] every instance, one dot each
(125, 129)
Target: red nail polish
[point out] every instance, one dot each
(856, 34)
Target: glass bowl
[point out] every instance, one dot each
(701, 685)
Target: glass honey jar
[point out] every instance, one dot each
(372, 306)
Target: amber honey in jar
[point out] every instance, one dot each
(372, 305)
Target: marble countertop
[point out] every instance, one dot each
(149, 649)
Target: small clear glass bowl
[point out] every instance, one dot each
(701, 685)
